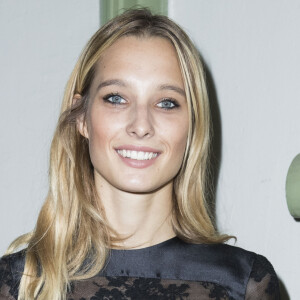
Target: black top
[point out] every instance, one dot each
(170, 270)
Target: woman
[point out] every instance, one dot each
(125, 216)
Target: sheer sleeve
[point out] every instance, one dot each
(6, 280)
(263, 282)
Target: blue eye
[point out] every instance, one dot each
(114, 99)
(168, 104)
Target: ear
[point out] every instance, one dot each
(80, 121)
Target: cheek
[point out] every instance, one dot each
(98, 131)
(177, 139)
(102, 124)
(176, 134)
(101, 129)
(180, 144)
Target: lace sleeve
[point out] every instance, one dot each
(6, 280)
(263, 282)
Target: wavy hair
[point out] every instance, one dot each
(71, 240)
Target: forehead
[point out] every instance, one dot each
(133, 43)
(152, 55)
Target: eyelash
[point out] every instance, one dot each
(106, 98)
(169, 100)
(172, 101)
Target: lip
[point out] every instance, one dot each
(137, 148)
(134, 163)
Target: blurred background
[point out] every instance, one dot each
(251, 52)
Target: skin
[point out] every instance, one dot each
(145, 75)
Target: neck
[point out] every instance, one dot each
(139, 219)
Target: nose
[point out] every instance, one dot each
(140, 123)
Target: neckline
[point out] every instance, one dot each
(159, 245)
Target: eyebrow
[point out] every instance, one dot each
(172, 88)
(123, 84)
(111, 82)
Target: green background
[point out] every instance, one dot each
(111, 8)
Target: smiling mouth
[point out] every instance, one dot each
(137, 155)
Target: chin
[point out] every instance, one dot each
(138, 189)
(143, 187)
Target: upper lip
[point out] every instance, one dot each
(137, 148)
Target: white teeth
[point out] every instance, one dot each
(141, 155)
(138, 155)
(133, 155)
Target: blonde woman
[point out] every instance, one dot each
(126, 215)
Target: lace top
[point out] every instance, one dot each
(170, 270)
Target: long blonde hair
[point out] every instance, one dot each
(71, 240)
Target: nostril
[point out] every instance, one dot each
(140, 128)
